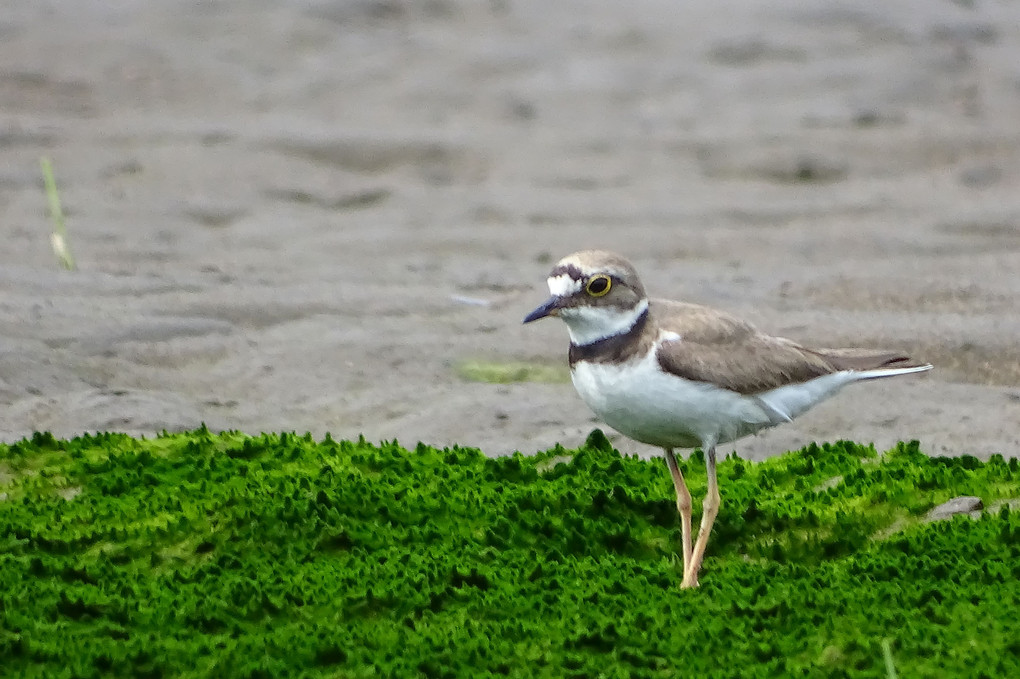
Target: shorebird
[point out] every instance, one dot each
(680, 375)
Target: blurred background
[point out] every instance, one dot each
(321, 215)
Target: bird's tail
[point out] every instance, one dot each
(891, 372)
(850, 365)
(868, 364)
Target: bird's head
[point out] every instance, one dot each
(596, 293)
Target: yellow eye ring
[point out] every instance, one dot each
(599, 285)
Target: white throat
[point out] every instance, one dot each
(588, 324)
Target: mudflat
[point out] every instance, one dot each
(311, 216)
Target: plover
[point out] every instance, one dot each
(680, 375)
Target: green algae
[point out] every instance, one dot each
(207, 554)
(495, 372)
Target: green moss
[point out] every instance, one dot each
(495, 372)
(227, 555)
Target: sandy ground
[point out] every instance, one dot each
(303, 214)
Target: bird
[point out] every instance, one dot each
(676, 374)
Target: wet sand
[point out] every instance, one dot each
(304, 215)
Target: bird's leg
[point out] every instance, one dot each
(709, 510)
(683, 505)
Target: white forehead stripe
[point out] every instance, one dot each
(563, 285)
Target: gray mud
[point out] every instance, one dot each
(304, 215)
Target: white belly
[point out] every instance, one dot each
(641, 401)
(648, 405)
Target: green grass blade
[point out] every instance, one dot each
(58, 239)
(890, 667)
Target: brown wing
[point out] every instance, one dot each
(719, 348)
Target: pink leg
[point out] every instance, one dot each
(683, 505)
(709, 510)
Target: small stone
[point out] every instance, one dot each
(965, 504)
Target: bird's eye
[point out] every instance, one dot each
(598, 285)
